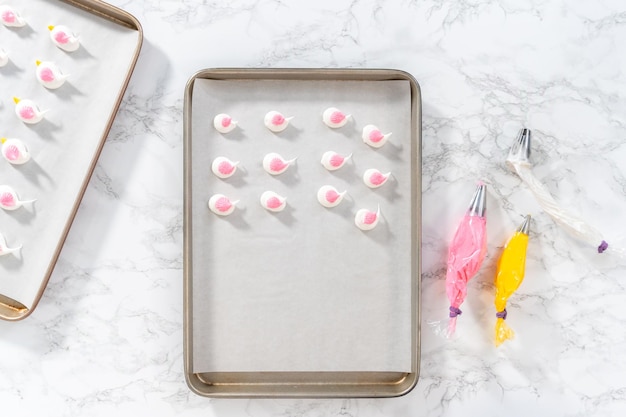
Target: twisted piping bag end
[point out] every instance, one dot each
(520, 151)
(478, 205)
(525, 226)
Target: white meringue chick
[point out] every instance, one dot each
(332, 161)
(223, 167)
(276, 121)
(64, 38)
(4, 57)
(223, 123)
(366, 219)
(9, 199)
(14, 151)
(273, 202)
(374, 137)
(335, 118)
(10, 17)
(28, 111)
(221, 205)
(5, 249)
(50, 75)
(373, 178)
(275, 164)
(328, 196)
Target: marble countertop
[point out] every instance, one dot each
(107, 336)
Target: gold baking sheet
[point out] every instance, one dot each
(64, 146)
(332, 381)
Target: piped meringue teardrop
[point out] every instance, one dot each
(273, 202)
(373, 178)
(223, 123)
(328, 196)
(366, 219)
(14, 151)
(4, 57)
(64, 38)
(374, 137)
(10, 17)
(334, 118)
(27, 111)
(332, 161)
(9, 199)
(223, 167)
(221, 205)
(275, 164)
(50, 75)
(4, 249)
(276, 122)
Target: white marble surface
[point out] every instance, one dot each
(107, 335)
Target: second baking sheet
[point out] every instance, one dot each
(304, 289)
(65, 145)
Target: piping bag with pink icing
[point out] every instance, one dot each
(466, 253)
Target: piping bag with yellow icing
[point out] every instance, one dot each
(509, 276)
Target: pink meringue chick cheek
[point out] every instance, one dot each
(331, 196)
(10, 17)
(221, 205)
(27, 112)
(224, 123)
(334, 118)
(274, 203)
(7, 200)
(276, 121)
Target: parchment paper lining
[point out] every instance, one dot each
(304, 289)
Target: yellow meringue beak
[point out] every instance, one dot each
(16, 100)
(37, 62)
(2, 140)
(50, 27)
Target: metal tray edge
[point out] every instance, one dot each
(405, 382)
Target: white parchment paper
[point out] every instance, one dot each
(304, 289)
(64, 144)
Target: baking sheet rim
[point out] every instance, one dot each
(310, 388)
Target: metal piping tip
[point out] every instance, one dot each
(520, 151)
(525, 226)
(478, 205)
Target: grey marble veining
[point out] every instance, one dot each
(107, 335)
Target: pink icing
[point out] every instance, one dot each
(278, 120)
(277, 165)
(274, 202)
(370, 217)
(226, 121)
(61, 37)
(47, 75)
(376, 136)
(27, 112)
(332, 196)
(466, 253)
(7, 200)
(223, 204)
(225, 168)
(377, 178)
(336, 160)
(8, 16)
(337, 117)
(12, 153)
